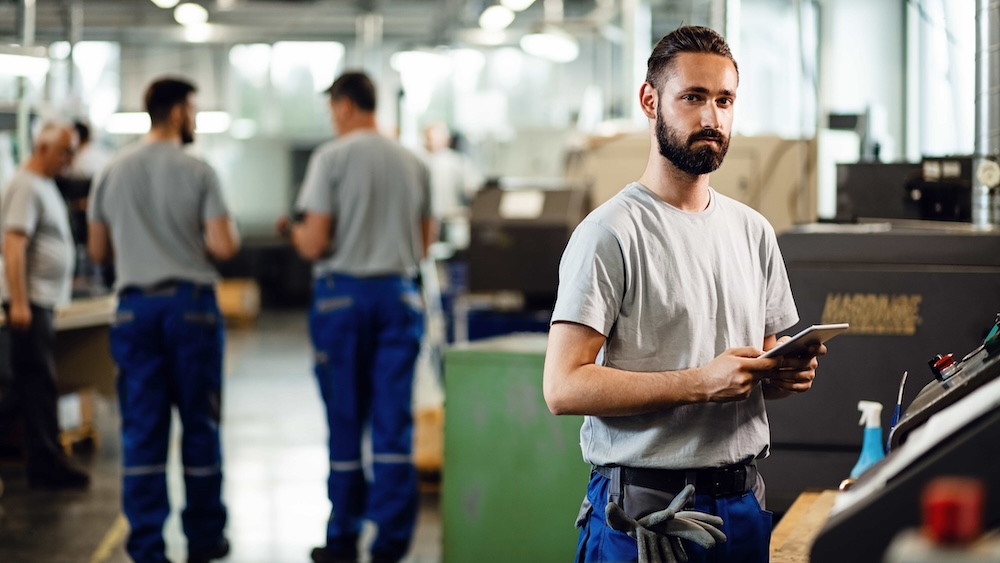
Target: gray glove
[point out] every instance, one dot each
(659, 534)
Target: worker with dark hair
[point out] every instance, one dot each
(668, 294)
(161, 214)
(366, 224)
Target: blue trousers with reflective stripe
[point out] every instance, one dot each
(366, 333)
(746, 525)
(168, 348)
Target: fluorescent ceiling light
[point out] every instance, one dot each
(212, 122)
(496, 18)
(166, 4)
(197, 33)
(190, 14)
(137, 122)
(551, 43)
(127, 123)
(60, 50)
(23, 61)
(480, 36)
(420, 63)
(517, 5)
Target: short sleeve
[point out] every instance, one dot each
(425, 191)
(316, 194)
(591, 279)
(781, 312)
(95, 212)
(21, 208)
(213, 204)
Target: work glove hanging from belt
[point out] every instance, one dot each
(659, 534)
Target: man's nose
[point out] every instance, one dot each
(710, 118)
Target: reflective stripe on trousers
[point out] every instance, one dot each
(169, 354)
(366, 333)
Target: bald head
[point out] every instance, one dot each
(55, 145)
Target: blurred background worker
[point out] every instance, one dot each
(366, 225)
(74, 185)
(38, 263)
(454, 180)
(163, 214)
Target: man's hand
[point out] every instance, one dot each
(733, 374)
(20, 316)
(793, 374)
(283, 227)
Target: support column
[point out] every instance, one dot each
(638, 28)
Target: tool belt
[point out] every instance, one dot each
(723, 481)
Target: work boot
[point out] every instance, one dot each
(220, 550)
(324, 555)
(61, 475)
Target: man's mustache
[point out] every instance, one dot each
(708, 135)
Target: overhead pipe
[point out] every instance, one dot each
(985, 204)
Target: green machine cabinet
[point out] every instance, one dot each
(513, 475)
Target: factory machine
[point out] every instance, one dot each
(951, 428)
(909, 290)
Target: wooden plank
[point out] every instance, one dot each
(792, 518)
(798, 544)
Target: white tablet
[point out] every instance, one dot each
(816, 334)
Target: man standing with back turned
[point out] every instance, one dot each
(366, 223)
(162, 213)
(668, 294)
(38, 263)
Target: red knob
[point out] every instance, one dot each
(953, 510)
(943, 362)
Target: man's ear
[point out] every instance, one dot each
(649, 100)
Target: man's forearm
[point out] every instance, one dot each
(14, 270)
(603, 391)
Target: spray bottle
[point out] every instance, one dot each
(871, 448)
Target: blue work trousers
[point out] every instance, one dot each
(168, 346)
(366, 333)
(746, 525)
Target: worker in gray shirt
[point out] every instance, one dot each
(38, 266)
(668, 294)
(366, 223)
(162, 213)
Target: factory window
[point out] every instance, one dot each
(942, 85)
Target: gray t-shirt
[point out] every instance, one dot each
(377, 193)
(32, 205)
(672, 290)
(155, 199)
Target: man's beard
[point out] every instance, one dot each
(187, 135)
(693, 161)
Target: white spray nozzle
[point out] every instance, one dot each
(871, 414)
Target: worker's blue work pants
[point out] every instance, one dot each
(746, 525)
(168, 347)
(366, 333)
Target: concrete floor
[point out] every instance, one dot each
(275, 468)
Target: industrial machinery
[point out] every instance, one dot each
(951, 428)
(938, 189)
(518, 237)
(906, 288)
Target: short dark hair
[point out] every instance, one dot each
(355, 86)
(82, 130)
(684, 39)
(165, 93)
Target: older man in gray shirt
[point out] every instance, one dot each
(38, 264)
(162, 212)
